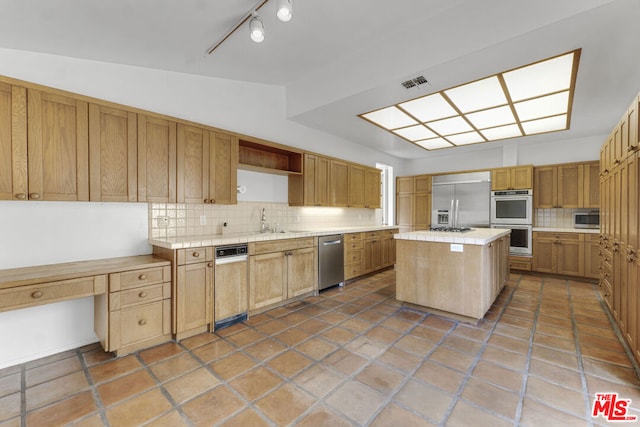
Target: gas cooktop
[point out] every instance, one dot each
(450, 229)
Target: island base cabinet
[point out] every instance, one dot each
(463, 283)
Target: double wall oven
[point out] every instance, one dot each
(513, 209)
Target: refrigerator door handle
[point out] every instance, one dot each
(451, 215)
(455, 224)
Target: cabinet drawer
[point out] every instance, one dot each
(353, 246)
(137, 278)
(352, 237)
(592, 237)
(32, 295)
(144, 295)
(280, 245)
(374, 234)
(352, 270)
(195, 255)
(142, 322)
(520, 265)
(353, 257)
(578, 237)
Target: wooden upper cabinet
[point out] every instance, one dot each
(13, 142)
(630, 135)
(545, 194)
(356, 186)
(58, 147)
(404, 185)
(422, 184)
(372, 188)
(512, 178)
(156, 160)
(422, 211)
(113, 167)
(223, 170)
(322, 181)
(591, 185)
(339, 183)
(192, 167)
(569, 186)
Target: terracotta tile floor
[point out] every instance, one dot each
(351, 356)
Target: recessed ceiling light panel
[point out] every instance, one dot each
(531, 99)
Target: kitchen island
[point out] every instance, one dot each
(457, 274)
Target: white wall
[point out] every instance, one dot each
(40, 233)
(263, 187)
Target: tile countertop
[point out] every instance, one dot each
(568, 230)
(256, 236)
(477, 236)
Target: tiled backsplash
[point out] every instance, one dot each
(176, 220)
(554, 218)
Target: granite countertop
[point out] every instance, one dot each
(477, 236)
(567, 230)
(256, 236)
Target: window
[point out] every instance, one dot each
(386, 193)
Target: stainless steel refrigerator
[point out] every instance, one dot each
(463, 197)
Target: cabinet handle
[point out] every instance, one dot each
(142, 322)
(21, 196)
(36, 294)
(616, 162)
(630, 258)
(34, 196)
(142, 277)
(632, 148)
(207, 201)
(630, 251)
(195, 254)
(212, 200)
(209, 264)
(142, 294)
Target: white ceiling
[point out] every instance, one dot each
(340, 58)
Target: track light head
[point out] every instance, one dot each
(284, 10)
(256, 27)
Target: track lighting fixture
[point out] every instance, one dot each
(284, 10)
(256, 27)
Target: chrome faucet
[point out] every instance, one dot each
(264, 227)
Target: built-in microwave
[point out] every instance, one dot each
(512, 207)
(590, 219)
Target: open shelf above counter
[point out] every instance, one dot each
(270, 159)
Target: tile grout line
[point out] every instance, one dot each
(525, 376)
(94, 391)
(578, 350)
(23, 395)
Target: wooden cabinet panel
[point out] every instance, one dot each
(500, 179)
(591, 185)
(322, 181)
(569, 186)
(267, 279)
(544, 255)
(156, 160)
(113, 157)
(592, 259)
(339, 183)
(58, 147)
(356, 186)
(29, 296)
(372, 188)
(13, 142)
(135, 325)
(372, 255)
(404, 185)
(231, 285)
(192, 167)
(300, 271)
(193, 296)
(545, 194)
(512, 178)
(574, 185)
(223, 177)
(570, 258)
(422, 184)
(422, 211)
(560, 253)
(404, 210)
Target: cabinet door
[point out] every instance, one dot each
(591, 259)
(422, 184)
(194, 289)
(591, 185)
(372, 188)
(616, 147)
(404, 185)
(569, 186)
(13, 142)
(422, 211)
(156, 160)
(322, 181)
(372, 255)
(544, 255)
(544, 193)
(522, 177)
(570, 257)
(404, 211)
(58, 147)
(192, 164)
(356, 186)
(230, 295)
(267, 279)
(501, 179)
(113, 157)
(223, 175)
(300, 271)
(339, 183)
(309, 180)
(388, 251)
(634, 126)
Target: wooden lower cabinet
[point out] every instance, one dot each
(353, 250)
(559, 253)
(367, 252)
(281, 270)
(231, 290)
(520, 263)
(592, 256)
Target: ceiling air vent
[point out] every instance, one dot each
(417, 81)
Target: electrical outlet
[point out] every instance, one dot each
(162, 221)
(203, 220)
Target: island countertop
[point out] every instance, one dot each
(476, 236)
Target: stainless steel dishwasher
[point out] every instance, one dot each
(330, 261)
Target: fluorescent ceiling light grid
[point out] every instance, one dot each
(539, 94)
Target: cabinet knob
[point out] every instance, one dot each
(630, 258)
(209, 264)
(212, 200)
(207, 200)
(36, 294)
(142, 294)
(632, 148)
(142, 277)
(195, 254)
(34, 196)
(21, 196)
(142, 322)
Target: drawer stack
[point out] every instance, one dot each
(352, 255)
(139, 308)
